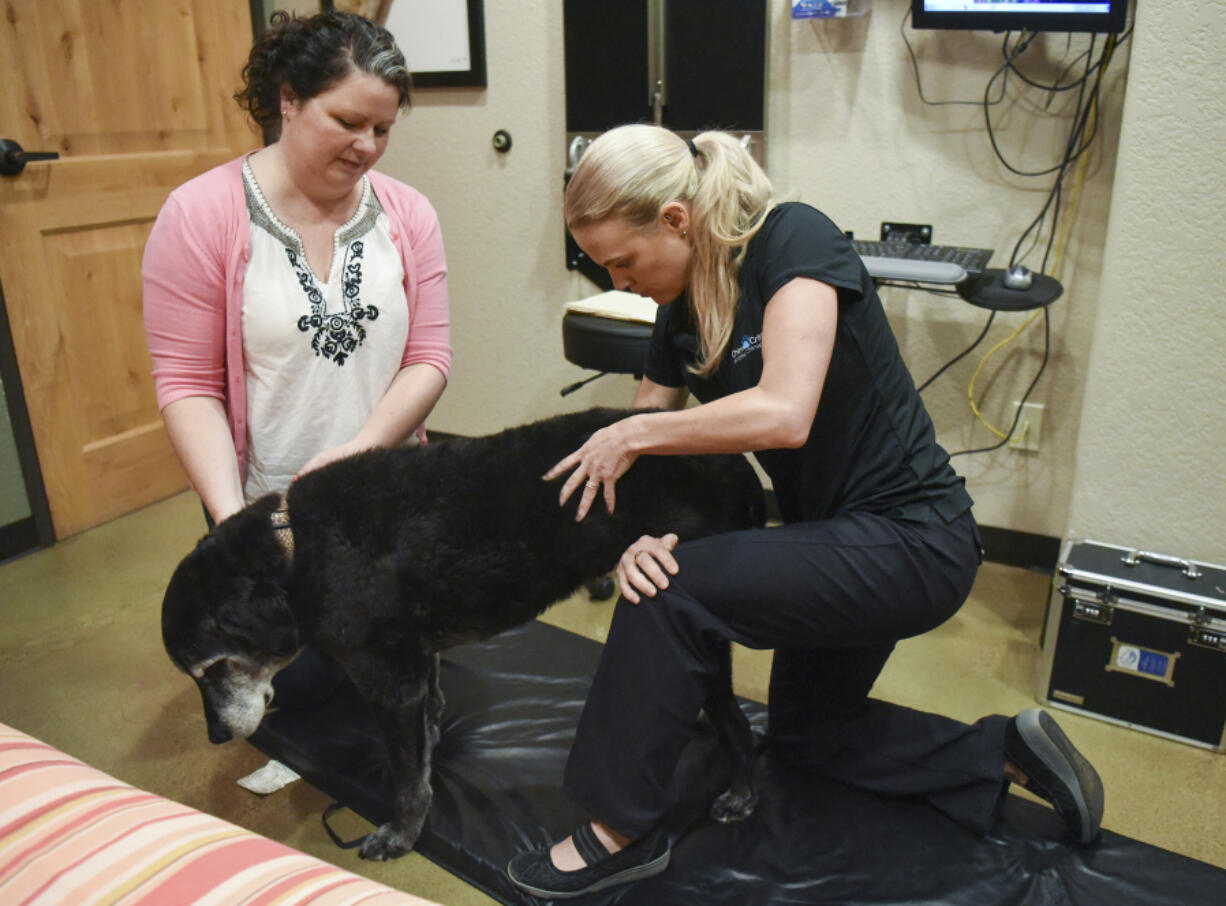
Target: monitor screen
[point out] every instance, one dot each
(1017, 15)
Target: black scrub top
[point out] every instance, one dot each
(872, 446)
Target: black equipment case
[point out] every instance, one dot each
(1138, 639)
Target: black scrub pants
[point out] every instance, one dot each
(831, 598)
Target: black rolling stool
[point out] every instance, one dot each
(605, 345)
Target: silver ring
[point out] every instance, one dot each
(591, 484)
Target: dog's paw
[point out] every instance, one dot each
(733, 806)
(385, 842)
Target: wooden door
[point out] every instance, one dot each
(136, 96)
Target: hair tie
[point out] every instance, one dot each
(693, 147)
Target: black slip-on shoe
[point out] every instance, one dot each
(1057, 771)
(535, 872)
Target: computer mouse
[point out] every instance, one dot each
(1018, 277)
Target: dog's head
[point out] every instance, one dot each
(226, 621)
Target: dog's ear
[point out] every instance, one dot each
(258, 618)
(253, 605)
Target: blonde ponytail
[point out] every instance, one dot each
(731, 203)
(632, 172)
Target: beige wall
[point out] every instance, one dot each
(1151, 444)
(502, 220)
(847, 133)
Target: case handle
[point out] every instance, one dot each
(1135, 558)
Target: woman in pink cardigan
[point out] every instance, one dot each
(296, 300)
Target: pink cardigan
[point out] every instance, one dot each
(193, 270)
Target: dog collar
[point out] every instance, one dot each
(282, 529)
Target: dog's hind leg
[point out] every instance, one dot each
(398, 688)
(736, 738)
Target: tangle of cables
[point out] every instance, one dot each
(1083, 75)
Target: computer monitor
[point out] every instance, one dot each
(1017, 15)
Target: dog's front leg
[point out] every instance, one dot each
(435, 706)
(399, 690)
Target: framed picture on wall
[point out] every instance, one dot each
(443, 40)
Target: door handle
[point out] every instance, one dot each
(13, 158)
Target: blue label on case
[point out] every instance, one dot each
(1153, 663)
(1140, 661)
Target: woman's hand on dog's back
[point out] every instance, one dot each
(598, 464)
(610, 452)
(645, 567)
(331, 455)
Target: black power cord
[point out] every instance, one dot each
(960, 356)
(1025, 396)
(1083, 131)
(1078, 143)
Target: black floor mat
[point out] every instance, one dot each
(512, 706)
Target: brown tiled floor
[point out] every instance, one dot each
(82, 667)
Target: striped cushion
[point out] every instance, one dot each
(71, 834)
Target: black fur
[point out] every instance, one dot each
(400, 553)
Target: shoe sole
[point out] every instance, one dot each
(1043, 735)
(625, 876)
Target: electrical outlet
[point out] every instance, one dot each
(1026, 435)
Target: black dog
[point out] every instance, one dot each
(389, 556)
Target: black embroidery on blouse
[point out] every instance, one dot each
(335, 335)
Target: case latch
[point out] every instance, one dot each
(1207, 638)
(1099, 608)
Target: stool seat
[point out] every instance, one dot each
(605, 344)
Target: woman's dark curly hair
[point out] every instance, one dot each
(313, 54)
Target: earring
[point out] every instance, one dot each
(684, 233)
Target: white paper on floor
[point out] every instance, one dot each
(268, 779)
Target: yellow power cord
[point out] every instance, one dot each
(1056, 270)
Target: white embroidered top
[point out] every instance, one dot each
(320, 350)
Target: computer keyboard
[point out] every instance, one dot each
(894, 259)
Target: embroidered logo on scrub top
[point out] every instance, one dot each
(749, 345)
